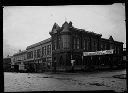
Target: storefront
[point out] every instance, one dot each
(98, 58)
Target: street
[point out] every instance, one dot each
(105, 80)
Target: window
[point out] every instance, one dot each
(101, 46)
(118, 50)
(42, 51)
(111, 46)
(38, 53)
(45, 50)
(59, 44)
(76, 43)
(30, 54)
(95, 45)
(87, 46)
(54, 45)
(84, 42)
(48, 50)
(66, 41)
(34, 53)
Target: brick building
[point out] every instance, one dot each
(69, 43)
(39, 56)
(69, 47)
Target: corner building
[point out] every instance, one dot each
(70, 43)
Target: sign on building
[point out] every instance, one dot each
(98, 52)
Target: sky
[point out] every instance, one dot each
(26, 25)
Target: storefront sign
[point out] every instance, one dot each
(98, 53)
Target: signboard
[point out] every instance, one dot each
(98, 52)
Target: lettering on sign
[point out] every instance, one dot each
(98, 53)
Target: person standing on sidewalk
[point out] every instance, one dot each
(72, 62)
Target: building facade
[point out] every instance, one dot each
(18, 61)
(69, 47)
(39, 56)
(69, 43)
(7, 63)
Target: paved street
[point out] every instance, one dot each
(65, 81)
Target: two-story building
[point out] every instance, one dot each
(39, 56)
(69, 47)
(70, 43)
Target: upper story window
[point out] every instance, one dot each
(101, 46)
(42, 51)
(45, 50)
(76, 43)
(34, 53)
(30, 54)
(59, 43)
(54, 45)
(118, 50)
(84, 43)
(66, 41)
(38, 53)
(111, 46)
(95, 45)
(48, 50)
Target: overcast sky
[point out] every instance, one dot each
(26, 25)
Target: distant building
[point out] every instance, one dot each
(18, 61)
(7, 63)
